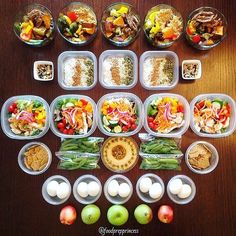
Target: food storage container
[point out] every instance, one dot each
(35, 70)
(76, 96)
(185, 180)
(103, 68)
(176, 132)
(145, 196)
(70, 18)
(109, 29)
(61, 68)
(212, 96)
(55, 200)
(22, 163)
(4, 117)
(213, 161)
(117, 95)
(199, 71)
(117, 199)
(195, 38)
(166, 36)
(88, 199)
(19, 19)
(159, 54)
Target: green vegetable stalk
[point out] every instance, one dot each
(160, 164)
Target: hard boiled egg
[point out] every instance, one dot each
(124, 190)
(145, 184)
(63, 190)
(93, 188)
(175, 186)
(185, 192)
(52, 187)
(155, 191)
(113, 188)
(82, 189)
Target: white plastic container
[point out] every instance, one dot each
(174, 133)
(131, 96)
(185, 180)
(118, 199)
(75, 54)
(35, 72)
(118, 53)
(170, 54)
(89, 199)
(213, 162)
(212, 96)
(55, 129)
(199, 74)
(4, 117)
(145, 196)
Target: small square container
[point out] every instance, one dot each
(36, 73)
(61, 67)
(4, 117)
(76, 96)
(176, 133)
(212, 96)
(159, 54)
(199, 71)
(117, 95)
(105, 70)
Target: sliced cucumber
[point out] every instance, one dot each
(69, 104)
(113, 122)
(117, 129)
(107, 128)
(217, 104)
(105, 121)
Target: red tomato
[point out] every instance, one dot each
(64, 121)
(71, 131)
(60, 125)
(72, 15)
(190, 30)
(109, 110)
(228, 108)
(125, 128)
(15, 111)
(150, 119)
(180, 108)
(65, 131)
(155, 127)
(133, 126)
(14, 104)
(11, 109)
(151, 125)
(84, 102)
(196, 39)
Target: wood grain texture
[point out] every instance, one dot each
(22, 208)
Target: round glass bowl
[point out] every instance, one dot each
(145, 196)
(110, 185)
(21, 157)
(55, 200)
(216, 22)
(77, 23)
(89, 199)
(213, 161)
(156, 36)
(113, 21)
(185, 180)
(41, 27)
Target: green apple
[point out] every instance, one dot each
(143, 214)
(90, 214)
(117, 215)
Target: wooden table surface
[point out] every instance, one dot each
(23, 210)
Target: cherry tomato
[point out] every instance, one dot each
(180, 108)
(151, 125)
(196, 39)
(125, 128)
(150, 119)
(14, 104)
(71, 131)
(65, 131)
(84, 102)
(64, 121)
(15, 111)
(133, 127)
(72, 15)
(60, 125)
(155, 127)
(109, 110)
(11, 109)
(228, 108)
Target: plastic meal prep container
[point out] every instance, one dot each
(4, 117)
(174, 133)
(120, 95)
(76, 96)
(118, 53)
(75, 54)
(159, 54)
(232, 123)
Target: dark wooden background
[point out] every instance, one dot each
(23, 210)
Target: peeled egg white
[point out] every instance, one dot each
(185, 191)
(124, 190)
(82, 189)
(145, 184)
(93, 188)
(52, 188)
(175, 186)
(113, 188)
(63, 190)
(155, 191)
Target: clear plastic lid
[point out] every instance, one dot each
(129, 96)
(4, 117)
(74, 96)
(61, 68)
(117, 54)
(176, 132)
(159, 54)
(212, 96)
